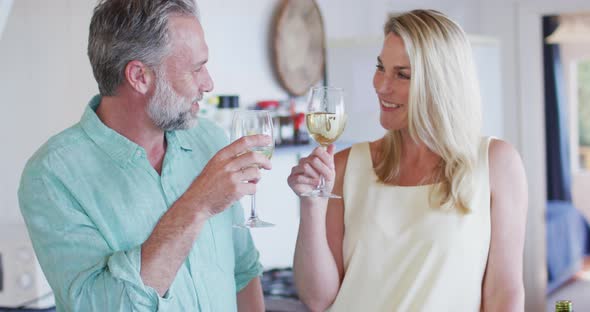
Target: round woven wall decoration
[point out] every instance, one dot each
(298, 45)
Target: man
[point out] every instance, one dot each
(132, 208)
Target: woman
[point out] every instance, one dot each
(433, 215)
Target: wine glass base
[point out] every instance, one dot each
(320, 193)
(254, 223)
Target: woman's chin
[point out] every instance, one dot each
(391, 125)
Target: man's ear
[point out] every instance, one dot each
(139, 76)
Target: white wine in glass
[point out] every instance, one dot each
(325, 120)
(251, 122)
(325, 128)
(264, 150)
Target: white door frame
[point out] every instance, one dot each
(5, 6)
(532, 137)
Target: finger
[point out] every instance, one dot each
(330, 149)
(247, 189)
(250, 175)
(297, 170)
(319, 166)
(262, 161)
(301, 179)
(244, 144)
(296, 182)
(309, 171)
(325, 156)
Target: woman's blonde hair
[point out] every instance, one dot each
(444, 104)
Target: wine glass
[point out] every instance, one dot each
(251, 122)
(325, 120)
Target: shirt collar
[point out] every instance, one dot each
(179, 137)
(118, 147)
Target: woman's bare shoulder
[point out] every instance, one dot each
(505, 165)
(341, 158)
(502, 153)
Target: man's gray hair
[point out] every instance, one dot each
(125, 30)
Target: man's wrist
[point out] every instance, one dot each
(198, 210)
(202, 215)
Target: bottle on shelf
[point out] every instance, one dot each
(225, 110)
(563, 306)
(301, 136)
(209, 109)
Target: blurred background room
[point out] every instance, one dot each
(533, 61)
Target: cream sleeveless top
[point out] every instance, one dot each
(401, 254)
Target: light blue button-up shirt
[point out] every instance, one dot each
(90, 198)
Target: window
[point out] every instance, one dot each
(583, 82)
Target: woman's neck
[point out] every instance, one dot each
(418, 164)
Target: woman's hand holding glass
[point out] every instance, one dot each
(307, 175)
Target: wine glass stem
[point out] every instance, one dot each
(253, 214)
(322, 184)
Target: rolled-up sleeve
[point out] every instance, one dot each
(83, 271)
(247, 264)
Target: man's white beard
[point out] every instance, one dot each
(168, 110)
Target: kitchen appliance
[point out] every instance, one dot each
(22, 283)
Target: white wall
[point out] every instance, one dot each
(352, 18)
(239, 49)
(45, 82)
